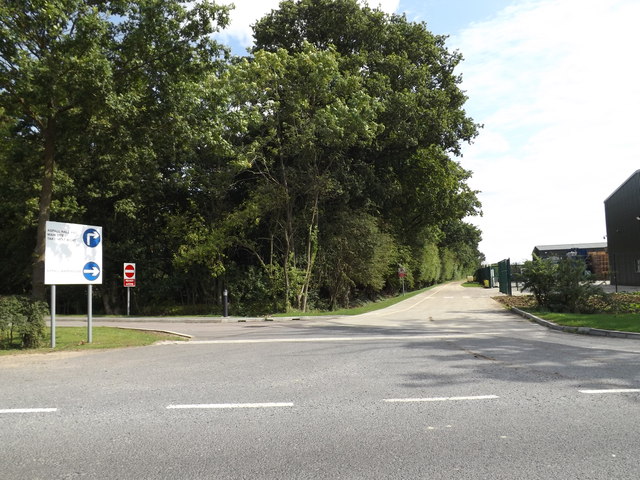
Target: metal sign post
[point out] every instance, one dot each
(53, 316)
(89, 313)
(402, 273)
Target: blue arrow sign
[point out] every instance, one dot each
(91, 271)
(91, 237)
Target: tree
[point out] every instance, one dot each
(304, 115)
(355, 253)
(411, 178)
(67, 65)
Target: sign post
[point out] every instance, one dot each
(73, 256)
(402, 273)
(53, 316)
(89, 313)
(129, 280)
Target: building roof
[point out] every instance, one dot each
(571, 246)
(637, 172)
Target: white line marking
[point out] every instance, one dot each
(337, 339)
(439, 399)
(229, 405)
(28, 410)
(612, 390)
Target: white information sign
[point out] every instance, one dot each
(73, 254)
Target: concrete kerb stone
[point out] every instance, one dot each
(168, 332)
(580, 330)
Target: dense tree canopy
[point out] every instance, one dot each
(301, 176)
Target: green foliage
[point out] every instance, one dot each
(562, 286)
(22, 320)
(410, 174)
(356, 253)
(574, 286)
(255, 292)
(106, 97)
(539, 277)
(430, 267)
(448, 270)
(299, 177)
(304, 114)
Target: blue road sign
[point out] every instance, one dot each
(91, 237)
(91, 271)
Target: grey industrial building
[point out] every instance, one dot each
(594, 254)
(622, 211)
(561, 251)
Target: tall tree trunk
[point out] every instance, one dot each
(312, 249)
(285, 265)
(38, 289)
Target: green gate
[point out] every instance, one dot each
(504, 276)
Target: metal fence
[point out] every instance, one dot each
(504, 276)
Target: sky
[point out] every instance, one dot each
(555, 85)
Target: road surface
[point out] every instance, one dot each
(446, 385)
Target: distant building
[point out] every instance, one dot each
(594, 254)
(622, 212)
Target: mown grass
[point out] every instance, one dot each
(366, 308)
(624, 322)
(622, 316)
(75, 339)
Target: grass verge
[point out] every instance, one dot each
(368, 307)
(624, 322)
(75, 339)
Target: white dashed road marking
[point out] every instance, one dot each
(229, 405)
(440, 399)
(28, 410)
(612, 390)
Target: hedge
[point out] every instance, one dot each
(22, 322)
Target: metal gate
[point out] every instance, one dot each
(504, 276)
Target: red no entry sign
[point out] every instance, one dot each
(129, 275)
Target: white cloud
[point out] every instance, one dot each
(557, 86)
(247, 12)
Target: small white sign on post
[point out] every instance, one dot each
(129, 280)
(129, 275)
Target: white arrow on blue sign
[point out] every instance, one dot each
(91, 271)
(91, 237)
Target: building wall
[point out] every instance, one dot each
(622, 210)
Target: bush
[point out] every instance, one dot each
(22, 322)
(573, 288)
(616, 303)
(564, 286)
(539, 276)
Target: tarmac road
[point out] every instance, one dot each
(446, 385)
